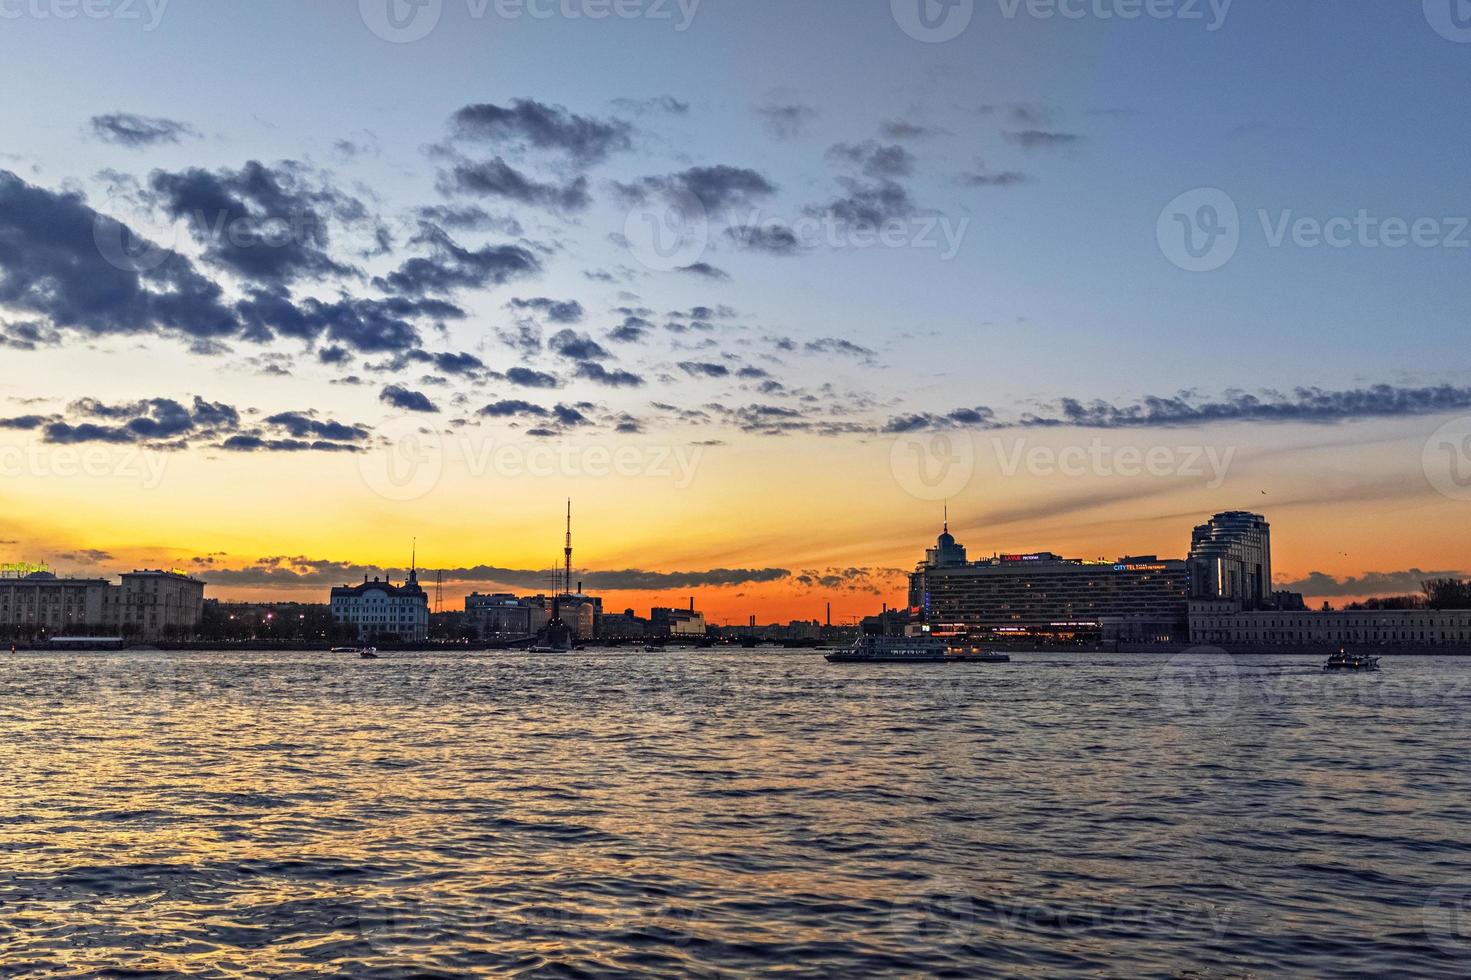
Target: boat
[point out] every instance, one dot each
(368, 653)
(922, 649)
(344, 650)
(1343, 660)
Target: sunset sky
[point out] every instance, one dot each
(759, 284)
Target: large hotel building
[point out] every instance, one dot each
(1138, 599)
(1044, 596)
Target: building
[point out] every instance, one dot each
(155, 605)
(623, 626)
(1231, 559)
(148, 605)
(34, 601)
(1224, 623)
(505, 617)
(677, 623)
(384, 610)
(1045, 596)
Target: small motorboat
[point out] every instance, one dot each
(1343, 660)
(368, 653)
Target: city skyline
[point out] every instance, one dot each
(759, 324)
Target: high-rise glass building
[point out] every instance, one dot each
(1231, 558)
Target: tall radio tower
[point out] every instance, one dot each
(567, 551)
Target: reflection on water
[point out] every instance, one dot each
(294, 815)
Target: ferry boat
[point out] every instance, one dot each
(922, 649)
(1343, 660)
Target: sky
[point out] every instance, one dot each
(761, 286)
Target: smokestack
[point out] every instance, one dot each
(829, 613)
(692, 604)
(579, 586)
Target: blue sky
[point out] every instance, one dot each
(1049, 145)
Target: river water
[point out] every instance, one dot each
(285, 815)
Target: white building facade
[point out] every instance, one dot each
(382, 609)
(1215, 623)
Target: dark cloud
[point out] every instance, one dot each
(705, 271)
(666, 104)
(527, 378)
(513, 408)
(901, 129)
(595, 372)
(406, 400)
(1319, 584)
(771, 239)
(496, 178)
(528, 123)
(785, 120)
(868, 203)
(837, 345)
(166, 424)
(1040, 139)
(577, 346)
(334, 355)
(1302, 405)
(305, 425)
(135, 132)
(306, 573)
(703, 369)
(269, 225)
(875, 159)
(984, 177)
(557, 311)
(61, 260)
(717, 188)
(632, 330)
(451, 267)
(469, 217)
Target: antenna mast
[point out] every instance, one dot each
(567, 551)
